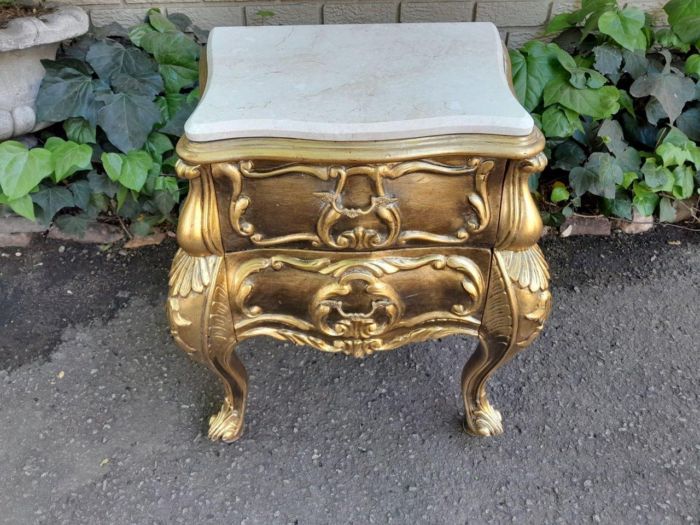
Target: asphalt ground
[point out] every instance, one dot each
(103, 419)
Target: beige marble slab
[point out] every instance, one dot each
(356, 82)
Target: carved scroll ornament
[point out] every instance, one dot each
(333, 327)
(382, 206)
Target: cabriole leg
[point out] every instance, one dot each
(227, 424)
(201, 324)
(517, 306)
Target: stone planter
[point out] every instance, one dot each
(24, 42)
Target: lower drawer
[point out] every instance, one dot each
(357, 303)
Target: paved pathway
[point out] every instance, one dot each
(102, 418)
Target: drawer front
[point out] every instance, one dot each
(357, 303)
(440, 202)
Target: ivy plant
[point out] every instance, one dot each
(619, 104)
(119, 102)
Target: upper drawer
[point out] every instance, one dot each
(441, 201)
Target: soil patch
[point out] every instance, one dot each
(10, 12)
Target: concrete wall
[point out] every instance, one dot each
(519, 20)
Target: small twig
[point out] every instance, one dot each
(678, 226)
(126, 230)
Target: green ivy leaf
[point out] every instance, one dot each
(624, 27)
(130, 170)
(73, 224)
(626, 102)
(100, 183)
(684, 182)
(684, 18)
(559, 193)
(559, 23)
(608, 172)
(692, 65)
(159, 22)
(109, 58)
(568, 155)
(532, 70)
(51, 199)
(636, 63)
(165, 201)
(66, 93)
(611, 134)
(148, 84)
(172, 47)
(667, 38)
(608, 60)
(558, 121)
(23, 206)
(620, 206)
(689, 123)
(629, 160)
(157, 144)
(68, 157)
(80, 130)
(670, 89)
(628, 178)
(645, 199)
(175, 110)
(676, 137)
(81, 192)
(582, 179)
(177, 77)
(597, 103)
(667, 213)
(137, 33)
(654, 111)
(127, 119)
(21, 169)
(657, 178)
(672, 155)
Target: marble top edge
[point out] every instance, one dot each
(427, 127)
(216, 32)
(241, 102)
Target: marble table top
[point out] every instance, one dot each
(356, 82)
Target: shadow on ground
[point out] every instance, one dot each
(102, 418)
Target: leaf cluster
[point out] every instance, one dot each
(614, 97)
(119, 101)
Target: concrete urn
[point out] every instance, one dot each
(24, 42)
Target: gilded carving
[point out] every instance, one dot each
(382, 206)
(336, 328)
(201, 324)
(517, 304)
(520, 223)
(487, 420)
(189, 280)
(362, 303)
(198, 227)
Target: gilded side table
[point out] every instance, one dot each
(354, 189)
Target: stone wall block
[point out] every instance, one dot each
(366, 13)
(207, 17)
(513, 13)
(124, 16)
(283, 14)
(518, 36)
(437, 11)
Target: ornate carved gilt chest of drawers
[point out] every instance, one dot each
(354, 189)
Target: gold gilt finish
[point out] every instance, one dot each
(358, 248)
(355, 212)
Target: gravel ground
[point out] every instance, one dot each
(102, 418)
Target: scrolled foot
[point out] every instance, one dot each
(226, 425)
(485, 421)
